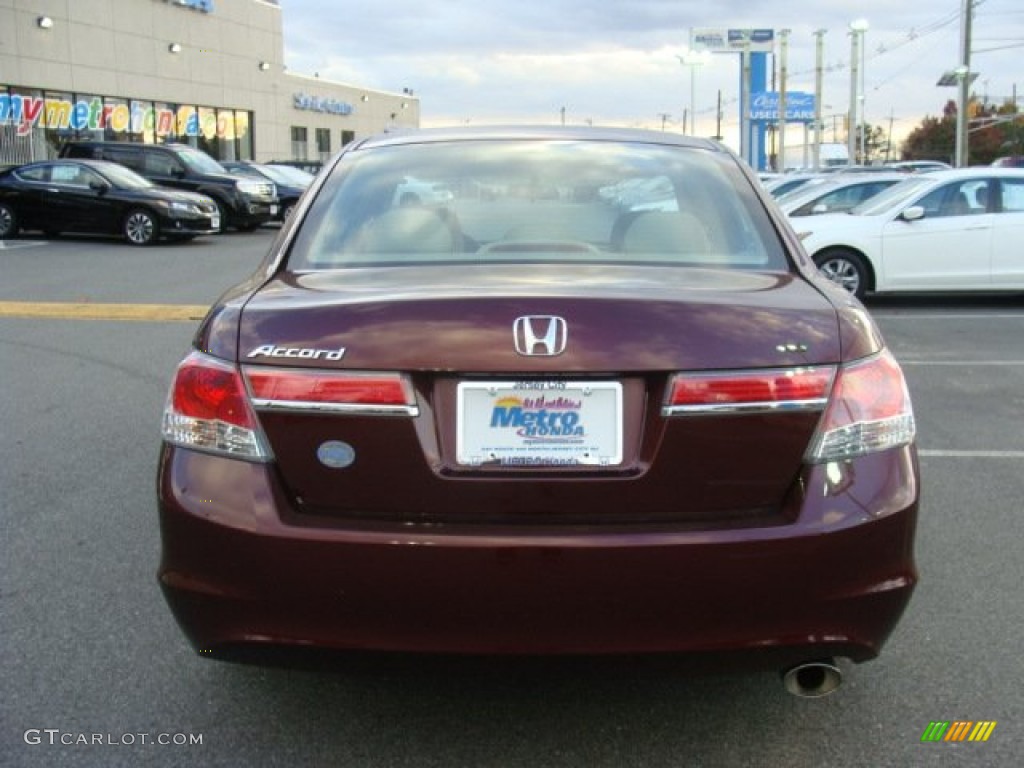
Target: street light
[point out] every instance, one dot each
(857, 30)
(693, 59)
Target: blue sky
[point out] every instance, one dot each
(615, 61)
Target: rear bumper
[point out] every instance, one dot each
(233, 572)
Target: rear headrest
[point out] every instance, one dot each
(407, 230)
(665, 232)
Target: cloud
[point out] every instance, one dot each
(615, 61)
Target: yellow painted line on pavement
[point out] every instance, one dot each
(55, 310)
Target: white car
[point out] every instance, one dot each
(836, 193)
(413, 191)
(956, 230)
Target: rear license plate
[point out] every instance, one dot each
(539, 423)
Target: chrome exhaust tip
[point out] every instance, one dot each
(813, 678)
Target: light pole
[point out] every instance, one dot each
(857, 30)
(964, 84)
(819, 66)
(693, 59)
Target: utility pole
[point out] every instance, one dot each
(819, 66)
(718, 114)
(784, 44)
(664, 119)
(888, 144)
(746, 151)
(851, 131)
(964, 75)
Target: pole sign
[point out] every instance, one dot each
(764, 105)
(723, 40)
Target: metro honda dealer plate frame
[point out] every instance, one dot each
(551, 423)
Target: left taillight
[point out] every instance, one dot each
(208, 410)
(331, 391)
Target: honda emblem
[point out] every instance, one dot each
(540, 335)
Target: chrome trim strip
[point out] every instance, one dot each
(788, 406)
(339, 408)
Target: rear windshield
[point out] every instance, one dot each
(537, 201)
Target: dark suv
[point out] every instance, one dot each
(243, 203)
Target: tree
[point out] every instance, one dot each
(993, 131)
(875, 143)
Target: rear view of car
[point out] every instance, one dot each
(534, 417)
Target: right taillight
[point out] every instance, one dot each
(869, 410)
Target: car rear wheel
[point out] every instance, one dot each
(8, 221)
(844, 268)
(140, 227)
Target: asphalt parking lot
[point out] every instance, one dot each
(96, 672)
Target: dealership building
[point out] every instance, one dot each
(209, 73)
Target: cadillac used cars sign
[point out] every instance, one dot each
(764, 105)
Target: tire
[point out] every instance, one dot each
(846, 269)
(223, 211)
(8, 221)
(140, 227)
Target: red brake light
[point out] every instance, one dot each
(208, 410)
(331, 390)
(206, 389)
(786, 388)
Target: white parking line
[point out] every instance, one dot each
(940, 454)
(9, 246)
(961, 363)
(971, 316)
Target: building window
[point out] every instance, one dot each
(143, 122)
(208, 140)
(244, 135)
(165, 122)
(347, 137)
(300, 147)
(323, 144)
(187, 127)
(25, 142)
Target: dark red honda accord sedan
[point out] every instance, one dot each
(593, 398)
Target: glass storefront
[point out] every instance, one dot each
(34, 124)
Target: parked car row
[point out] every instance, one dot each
(931, 230)
(144, 192)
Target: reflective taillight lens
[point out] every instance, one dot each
(755, 390)
(342, 391)
(869, 411)
(208, 410)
